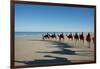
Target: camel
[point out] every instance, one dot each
(88, 39)
(47, 36)
(81, 37)
(53, 36)
(76, 38)
(70, 36)
(61, 36)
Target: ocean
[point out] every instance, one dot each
(40, 33)
(35, 33)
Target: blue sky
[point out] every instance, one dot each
(42, 18)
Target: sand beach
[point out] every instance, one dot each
(30, 50)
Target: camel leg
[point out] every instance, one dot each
(55, 38)
(48, 38)
(72, 41)
(93, 42)
(83, 42)
(63, 39)
(43, 38)
(59, 39)
(89, 45)
(80, 42)
(75, 43)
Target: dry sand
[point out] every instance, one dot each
(31, 50)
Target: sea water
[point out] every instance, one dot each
(44, 33)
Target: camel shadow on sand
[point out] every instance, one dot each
(61, 51)
(46, 61)
(61, 46)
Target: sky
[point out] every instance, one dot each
(43, 18)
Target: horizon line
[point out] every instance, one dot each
(53, 31)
